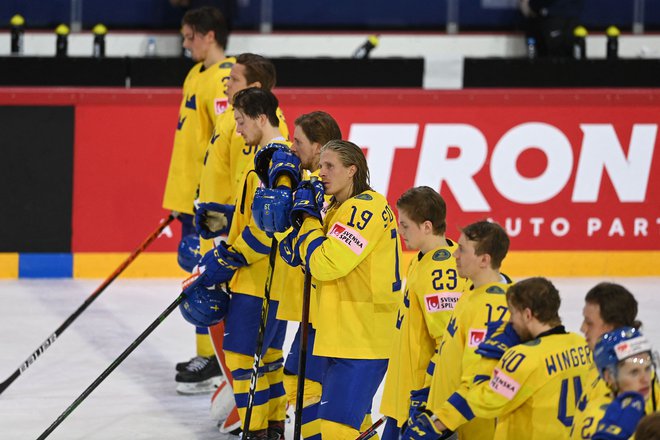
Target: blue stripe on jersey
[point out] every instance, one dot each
(260, 398)
(253, 242)
(301, 239)
(312, 247)
(191, 102)
(481, 378)
(461, 405)
(431, 368)
(451, 327)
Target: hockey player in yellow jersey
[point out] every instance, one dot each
(242, 261)
(224, 163)
(432, 290)
(312, 131)
(204, 98)
(482, 247)
(534, 389)
(205, 35)
(607, 306)
(354, 257)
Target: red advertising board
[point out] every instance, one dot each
(560, 169)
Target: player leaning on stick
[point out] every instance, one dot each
(311, 132)
(534, 388)
(242, 261)
(432, 290)
(226, 158)
(607, 306)
(205, 34)
(482, 246)
(353, 256)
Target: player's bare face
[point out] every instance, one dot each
(410, 231)
(337, 178)
(195, 42)
(635, 374)
(593, 326)
(248, 128)
(236, 81)
(308, 152)
(467, 261)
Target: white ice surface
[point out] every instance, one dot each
(138, 399)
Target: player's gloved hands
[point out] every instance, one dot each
(500, 336)
(216, 266)
(274, 161)
(423, 428)
(621, 417)
(213, 219)
(271, 208)
(287, 251)
(308, 199)
(204, 306)
(284, 163)
(418, 399)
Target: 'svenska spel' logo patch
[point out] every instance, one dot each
(477, 336)
(220, 105)
(503, 384)
(439, 302)
(348, 236)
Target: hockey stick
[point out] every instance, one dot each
(112, 366)
(302, 360)
(260, 338)
(51, 339)
(371, 431)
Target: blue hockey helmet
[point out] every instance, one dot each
(618, 345)
(189, 254)
(204, 307)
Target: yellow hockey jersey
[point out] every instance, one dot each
(247, 239)
(432, 289)
(354, 258)
(455, 369)
(204, 98)
(533, 390)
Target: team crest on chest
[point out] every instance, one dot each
(348, 236)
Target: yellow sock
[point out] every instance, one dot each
(204, 345)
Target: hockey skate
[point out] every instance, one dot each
(201, 375)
